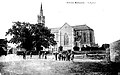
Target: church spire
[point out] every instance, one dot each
(41, 10)
(41, 18)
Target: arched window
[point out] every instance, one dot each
(91, 37)
(66, 39)
(84, 35)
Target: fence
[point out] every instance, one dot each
(99, 54)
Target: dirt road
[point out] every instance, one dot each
(37, 66)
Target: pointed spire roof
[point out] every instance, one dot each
(41, 10)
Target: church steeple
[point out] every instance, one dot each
(41, 18)
(41, 10)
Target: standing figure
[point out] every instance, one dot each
(63, 56)
(24, 55)
(39, 53)
(30, 54)
(72, 57)
(60, 48)
(69, 54)
(66, 56)
(56, 55)
(45, 55)
(59, 56)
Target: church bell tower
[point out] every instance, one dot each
(41, 18)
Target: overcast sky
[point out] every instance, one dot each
(101, 15)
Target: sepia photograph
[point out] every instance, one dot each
(59, 37)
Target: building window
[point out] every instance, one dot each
(84, 35)
(56, 37)
(91, 37)
(78, 36)
(66, 39)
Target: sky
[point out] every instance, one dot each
(101, 15)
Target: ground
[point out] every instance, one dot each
(16, 65)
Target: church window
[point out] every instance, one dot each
(66, 39)
(84, 35)
(90, 36)
(57, 36)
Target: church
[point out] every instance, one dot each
(69, 36)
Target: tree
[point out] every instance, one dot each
(30, 36)
(60, 48)
(3, 46)
(76, 48)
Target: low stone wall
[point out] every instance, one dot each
(115, 51)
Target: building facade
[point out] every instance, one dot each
(70, 36)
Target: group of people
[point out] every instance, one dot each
(42, 55)
(64, 56)
(60, 55)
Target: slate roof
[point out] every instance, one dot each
(77, 27)
(81, 27)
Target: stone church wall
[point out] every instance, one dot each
(75, 37)
(66, 29)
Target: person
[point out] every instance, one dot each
(72, 56)
(45, 55)
(63, 57)
(59, 56)
(39, 53)
(66, 56)
(30, 54)
(60, 48)
(69, 55)
(24, 55)
(56, 55)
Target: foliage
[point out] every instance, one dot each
(76, 48)
(60, 48)
(30, 36)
